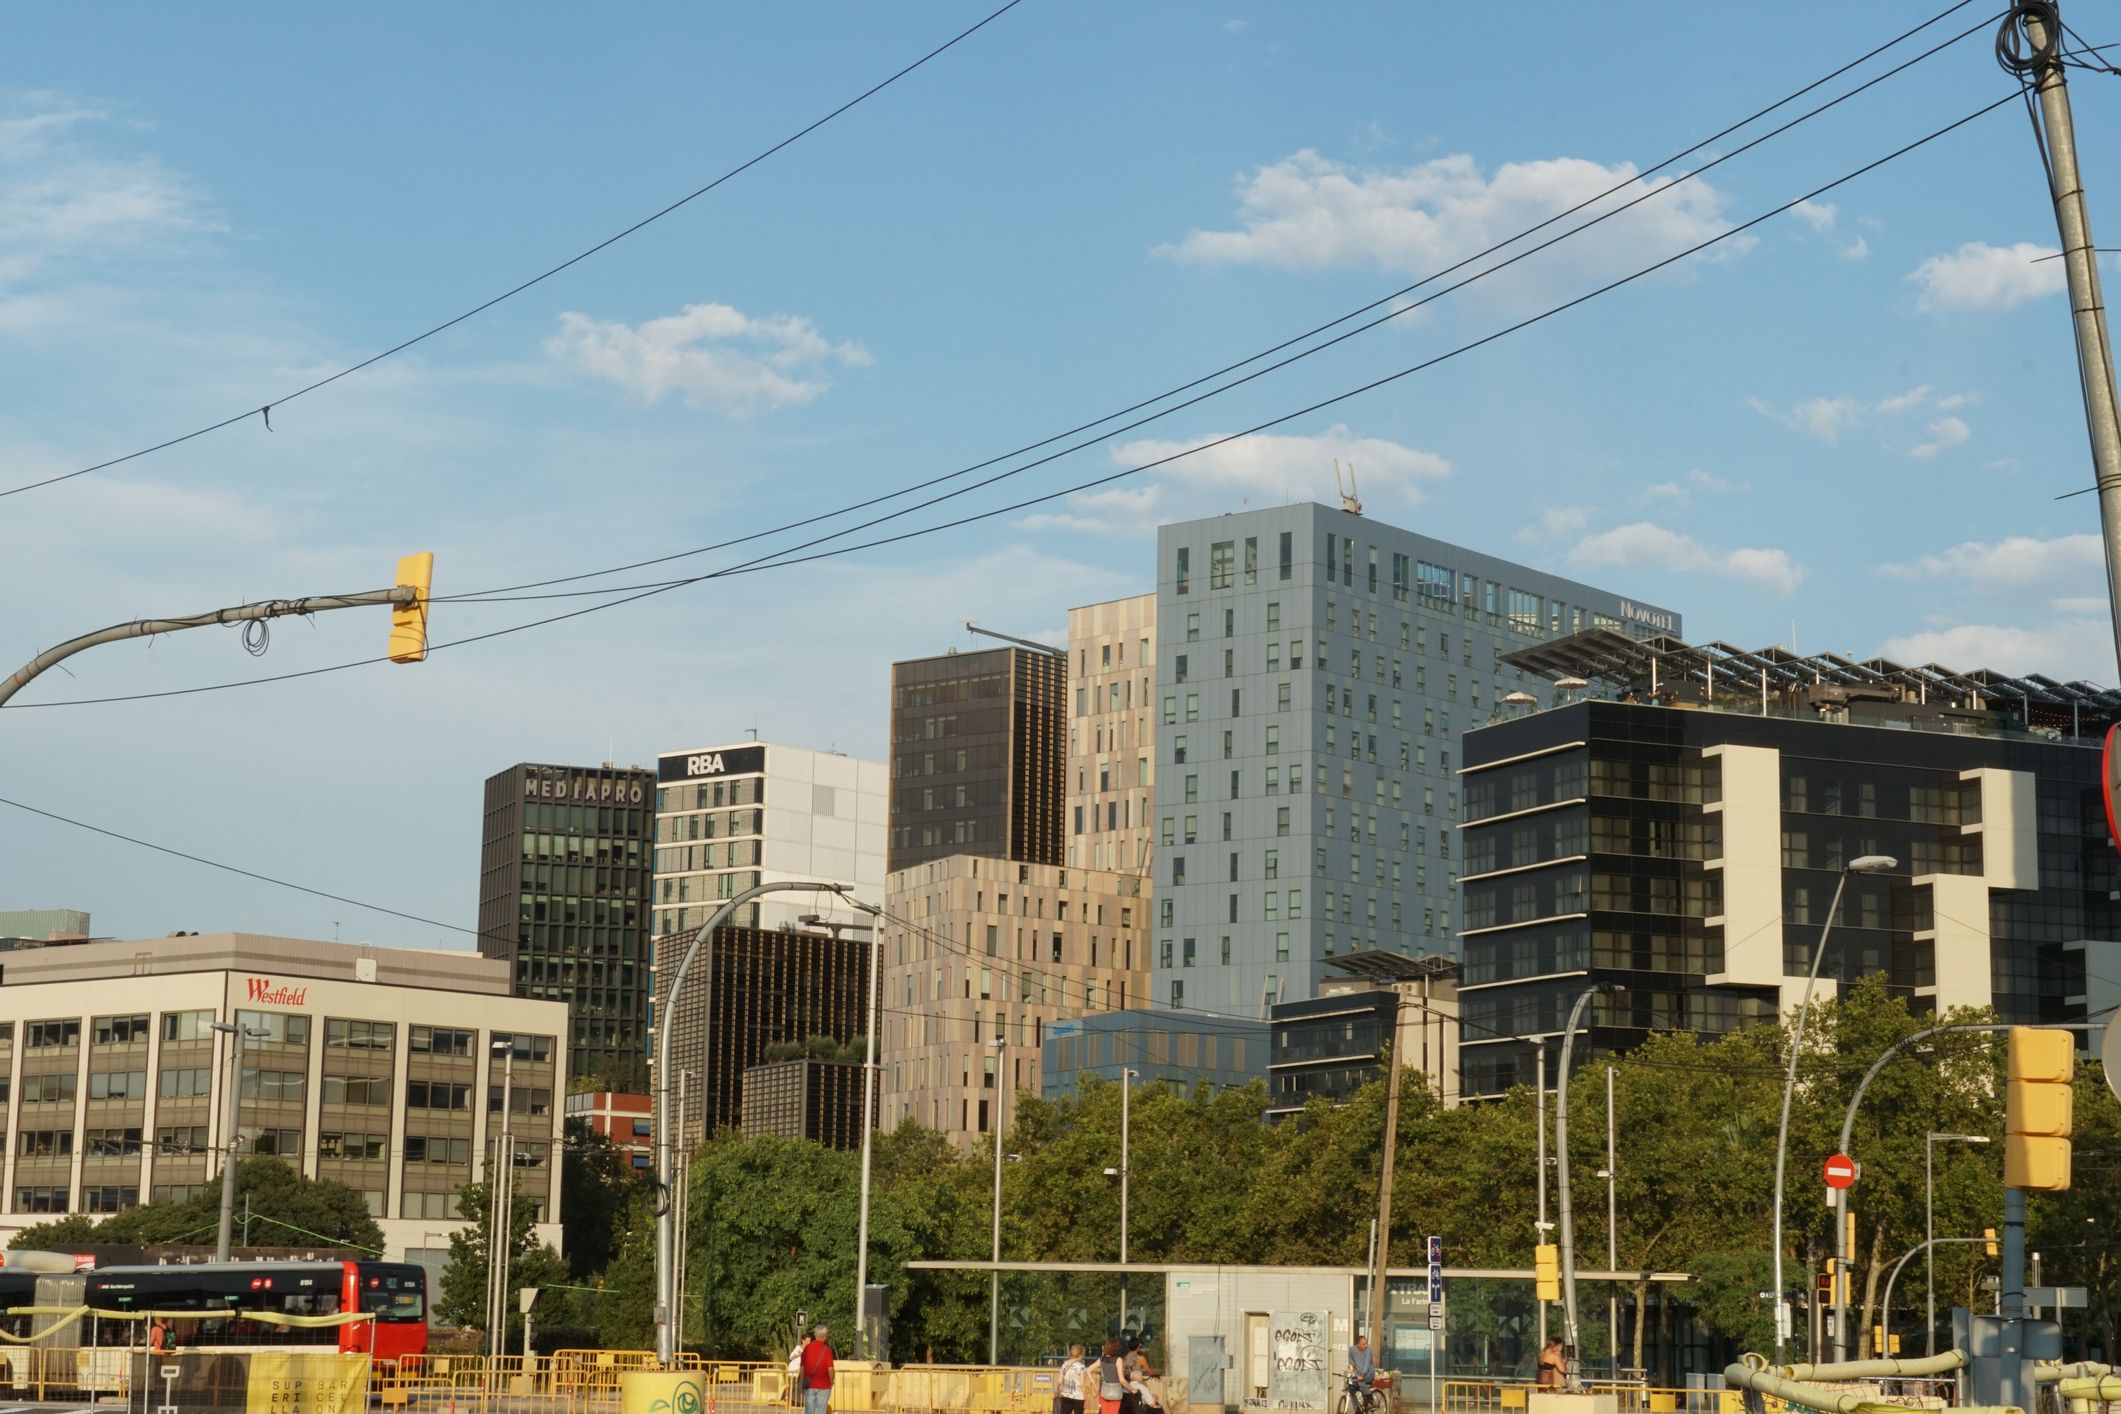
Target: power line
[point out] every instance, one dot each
(398, 348)
(785, 558)
(1377, 303)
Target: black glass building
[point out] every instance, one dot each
(978, 756)
(1679, 831)
(564, 881)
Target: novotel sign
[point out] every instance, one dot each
(1653, 618)
(708, 765)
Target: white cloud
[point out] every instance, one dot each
(1945, 433)
(1828, 419)
(1556, 523)
(1261, 469)
(2084, 605)
(1819, 215)
(1986, 277)
(2014, 562)
(65, 201)
(1681, 491)
(711, 355)
(2071, 649)
(1643, 545)
(1709, 481)
(1857, 249)
(1311, 212)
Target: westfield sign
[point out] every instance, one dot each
(262, 990)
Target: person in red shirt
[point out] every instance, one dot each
(817, 1374)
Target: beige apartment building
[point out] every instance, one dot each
(1111, 734)
(381, 1068)
(979, 951)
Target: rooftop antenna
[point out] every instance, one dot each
(1349, 500)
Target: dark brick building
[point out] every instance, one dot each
(978, 756)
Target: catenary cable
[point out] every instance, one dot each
(538, 279)
(776, 562)
(1330, 324)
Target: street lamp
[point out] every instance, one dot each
(1862, 864)
(1000, 1043)
(1929, 1218)
(1126, 1095)
(501, 1183)
(226, 1233)
(1570, 1362)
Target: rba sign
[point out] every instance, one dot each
(265, 992)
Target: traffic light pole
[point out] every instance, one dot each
(2017, 1390)
(402, 596)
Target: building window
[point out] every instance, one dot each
(1193, 628)
(118, 1030)
(1222, 557)
(1186, 953)
(1185, 583)
(1281, 820)
(1288, 553)
(1251, 559)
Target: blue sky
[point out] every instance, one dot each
(1848, 424)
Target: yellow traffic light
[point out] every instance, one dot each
(1546, 1271)
(2037, 1103)
(1834, 1281)
(408, 622)
(1988, 1242)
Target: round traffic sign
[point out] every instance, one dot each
(1840, 1171)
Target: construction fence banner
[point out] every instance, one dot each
(254, 1381)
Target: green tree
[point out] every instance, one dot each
(285, 1209)
(597, 1179)
(530, 1262)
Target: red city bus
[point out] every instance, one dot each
(231, 1296)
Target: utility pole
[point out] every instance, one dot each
(1612, 1228)
(871, 1077)
(1383, 1260)
(2039, 59)
(1541, 1225)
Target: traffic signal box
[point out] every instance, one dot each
(1546, 1271)
(1834, 1282)
(2041, 1068)
(408, 622)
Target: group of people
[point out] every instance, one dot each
(1119, 1379)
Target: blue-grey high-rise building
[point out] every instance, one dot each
(1314, 671)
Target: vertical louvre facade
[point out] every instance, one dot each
(978, 757)
(805, 1099)
(564, 881)
(758, 988)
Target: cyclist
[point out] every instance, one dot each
(1361, 1394)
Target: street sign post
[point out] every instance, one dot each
(1436, 1332)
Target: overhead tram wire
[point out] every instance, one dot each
(777, 560)
(1561, 215)
(1330, 324)
(538, 279)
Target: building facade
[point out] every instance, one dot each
(374, 1067)
(563, 900)
(978, 950)
(627, 1120)
(752, 988)
(1685, 850)
(38, 925)
(1331, 1045)
(805, 1098)
(731, 817)
(977, 756)
(1314, 669)
(1156, 1047)
(1112, 735)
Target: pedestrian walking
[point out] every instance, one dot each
(817, 1373)
(1068, 1399)
(1111, 1380)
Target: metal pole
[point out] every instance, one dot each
(1540, 1225)
(501, 1178)
(1929, 1240)
(1126, 1107)
(681, 1198)
(665, 1224)
(1612, 1228)
(1394, 1069)
(2095, 364)
(1571, 1362)
(2010, 1292)
(1885, 1308)
(225, 1236)
(241, 613)
(994, 1277)
(869, 1084)
(1782, 1130)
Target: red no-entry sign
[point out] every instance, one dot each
(1840, 1171)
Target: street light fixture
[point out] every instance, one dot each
(1929, 1220)
(500, 1195)
(226, 1233)
(1127, 1077)
(1862, 864)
